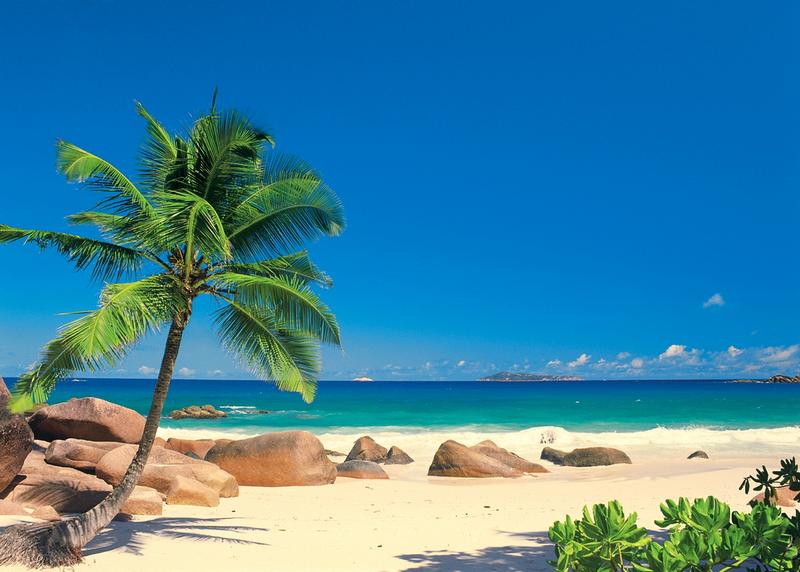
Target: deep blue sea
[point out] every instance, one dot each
(586, 406)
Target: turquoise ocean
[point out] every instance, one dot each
(586, 406)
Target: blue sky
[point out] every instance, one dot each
(545, 187)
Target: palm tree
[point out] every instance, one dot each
(217, 213)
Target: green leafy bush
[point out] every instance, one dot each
(702, 535)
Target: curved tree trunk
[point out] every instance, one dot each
(60, 544)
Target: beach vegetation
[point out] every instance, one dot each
(702, 535)
(215, 213)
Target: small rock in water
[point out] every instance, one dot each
(197, 412)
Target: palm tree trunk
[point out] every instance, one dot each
(60, 544)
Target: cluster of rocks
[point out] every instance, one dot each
(364, 460)
(486, 459)
(197, 412)
(67, 457)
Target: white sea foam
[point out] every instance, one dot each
(423, 441)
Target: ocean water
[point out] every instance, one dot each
(587, 406)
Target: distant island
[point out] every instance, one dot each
(773, 379)
(509, 376)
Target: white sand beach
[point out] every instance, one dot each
(412, 521)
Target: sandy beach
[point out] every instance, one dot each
(416, 522)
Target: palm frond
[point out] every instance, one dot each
(78, 165)
(188, 220)
(290, 299)
(108, 261)
(269, 349)
(281, 218)
(297, 265)
(225, 153)
(159, 152)
(101, 337)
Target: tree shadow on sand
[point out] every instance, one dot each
(130, 535)
(531, 553)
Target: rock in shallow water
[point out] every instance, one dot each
(198, 412)
(286, 458)
(87, 418)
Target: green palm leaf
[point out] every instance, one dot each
(81, 166)
(291, 300)
(271, 350)
(101, 337)
(296, 265)
(107, 260)
(279, 219)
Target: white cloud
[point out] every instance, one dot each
(623, 355)
(637, 363)
(581, 360)
(216, 372)
(734, 352)
(461, 363)
(778, 354)
(146, 370)
(675, 350)
(186, 372)
(554, 363)
(714, 300)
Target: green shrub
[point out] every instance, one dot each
(703, 535)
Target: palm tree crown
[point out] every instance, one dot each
(216, 212)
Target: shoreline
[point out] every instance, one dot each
(409, 522)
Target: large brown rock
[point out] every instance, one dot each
(783, 497)
(595, 456)
(198, 412)
(396, 456)
(184, 490)
(699, 454)
(553, 455)
(197, 447)
(87, 418)
(78, 453)
(16, 442)
(287, 458)
(4, 393)
(11, 508)
(144, 501)
(63, 493)
(453, 459)
(361, 470)
(366, 449)
(162, 467)
(491, 449)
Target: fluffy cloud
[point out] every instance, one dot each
(623, 355)
(637, 363)
(216, 373)
(776, 355)
(714, 300)
(461, 363)
(675, 350)
(186, 372)
(734, 352)
(146, 370)
(581, 360)
(554, 363)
